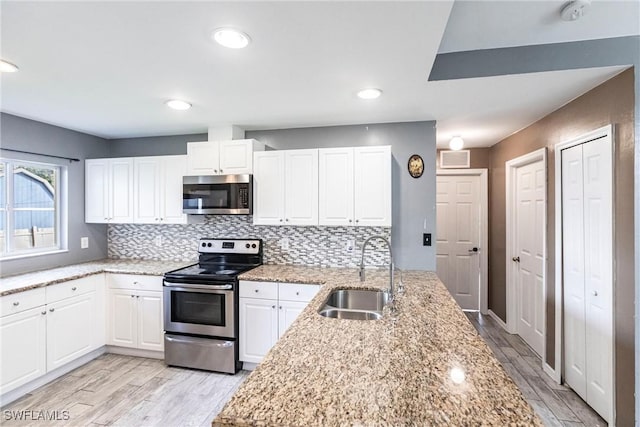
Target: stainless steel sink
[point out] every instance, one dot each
(355, 304)
(335, 313)
(357, 299)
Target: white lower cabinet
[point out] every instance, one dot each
(70, 329)
(23, 353)
(134, 312)
(46, 328)
(266, 311)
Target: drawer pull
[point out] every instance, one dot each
(74, 289)
(256, 291)
(52, 310)
(137, 296)
(297, 292)
(17, 303)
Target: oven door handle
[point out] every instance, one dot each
(191, 340)
(194, 286)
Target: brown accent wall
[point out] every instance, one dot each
(610, 103)
(479, 158)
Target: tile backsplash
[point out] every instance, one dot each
(315, 246)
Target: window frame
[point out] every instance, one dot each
(60, 210)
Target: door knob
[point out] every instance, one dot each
(515, 259)
(475, 250)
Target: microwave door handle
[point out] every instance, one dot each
(193, 286)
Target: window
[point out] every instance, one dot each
(30, 214)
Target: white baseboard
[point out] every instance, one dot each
(553, 373)
(248, 366)
(125, 351)
(17, 393)
(498, 320)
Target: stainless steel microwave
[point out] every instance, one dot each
(217, 194)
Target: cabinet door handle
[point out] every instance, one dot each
(135, 283)
(273, 306)
(595, 293)
(220, 170)
(297, 292)
(74, 288)
(280, 219)
(43, 312)
(256, 291)
(52, 310)
(350, 221)
(133, 296)
(357, 220)
(280, 307)
(17, 303)
(515, 259)
(287, 219)
(137, 296)
(215, 170)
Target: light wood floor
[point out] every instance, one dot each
(555, 404)
(130, 391)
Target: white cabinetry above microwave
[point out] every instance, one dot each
(285, 187)
(222, 157)
(355, 186)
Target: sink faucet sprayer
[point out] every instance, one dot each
(362, 276)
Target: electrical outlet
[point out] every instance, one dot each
(426, 239)
(284, 244)
(84, 242)
(350, 246)
(158, 241)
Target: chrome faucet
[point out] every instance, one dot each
(362, 277)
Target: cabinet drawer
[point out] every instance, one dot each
(297, 292)
(71, 288)
(22, 301)
(264, 290)
(134, 281)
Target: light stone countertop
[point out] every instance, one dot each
(394, 371)
(24, 282)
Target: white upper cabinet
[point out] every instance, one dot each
(221, 157)
(336, 186)
(355, 186)
(301, 187)
(372, 186)
(109, 190)
(158, 189)
(268, 188)
(285, 187)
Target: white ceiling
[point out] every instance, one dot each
(485, 24)
(107, 68)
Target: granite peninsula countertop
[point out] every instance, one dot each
(38, 279)
(425, 365)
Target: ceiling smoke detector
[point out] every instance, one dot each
(575, 10)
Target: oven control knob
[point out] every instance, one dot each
(253, 246)
(204, 244)
(209, 244)
(247, 246)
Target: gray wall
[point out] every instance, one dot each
(153, 145)
(28, 135)
(414, 200)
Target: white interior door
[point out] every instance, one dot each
(573, 266)
(529, 258)
(458, 230)
(588, 272)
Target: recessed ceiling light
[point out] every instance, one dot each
(369, 93)
(456, 143)
(575, 10)
(228, 37)
(7, 67)
(176, 104)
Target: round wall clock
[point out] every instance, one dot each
(415, 166)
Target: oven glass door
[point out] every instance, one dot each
(199, 311)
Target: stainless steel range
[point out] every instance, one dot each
(201, 305)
